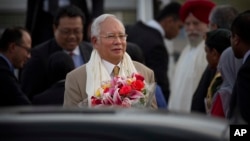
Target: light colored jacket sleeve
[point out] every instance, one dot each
(149, 78)
(75, 86)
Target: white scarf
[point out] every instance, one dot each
(189, 69)
(97, 73)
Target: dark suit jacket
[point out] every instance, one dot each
(34, 77)
(135, 52)
(52, 96)
(240, 100)
(155, 54)
(10, 90)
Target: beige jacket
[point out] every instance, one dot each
(75, 84)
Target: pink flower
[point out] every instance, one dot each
(120, 91)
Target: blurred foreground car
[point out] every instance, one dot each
(58, 124)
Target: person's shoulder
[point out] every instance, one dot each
(85, 44)
(78, 71)
(147, 34)
(138, 25)
(44, 46)
(139, 66)
(44, 49)
(5, 71)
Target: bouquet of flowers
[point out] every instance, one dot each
(127, 92)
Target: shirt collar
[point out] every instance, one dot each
(245, 56)
(76, 51)
(109, 66)
(8, 62)
(154, 24)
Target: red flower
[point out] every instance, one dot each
(95, 101)
(106, 90)
(138, 76)
(137, 85)
(124, 90)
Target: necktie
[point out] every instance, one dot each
(71, 54)
(116, 70)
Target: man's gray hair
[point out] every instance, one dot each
(95, 27)
(223, 16)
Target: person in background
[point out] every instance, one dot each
(150, 38)
(15, 46)
(135, 52)
(216, 42)
(221, 16)
(192, 61)
(228, 67)
(40, 15)
(68, 26)
(60, 64)
(108, 38)
(240, 41)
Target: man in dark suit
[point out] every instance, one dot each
(60, 64)
(240, 40)
(68, 27)
(40, 13)
(15, 45)
(150, 37)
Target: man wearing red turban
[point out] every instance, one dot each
(199, 8)
(192, 61)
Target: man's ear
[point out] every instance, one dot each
(12, 47)
(235, 39)
(94, 41)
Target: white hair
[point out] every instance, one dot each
(95, 27)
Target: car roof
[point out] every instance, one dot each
(162, 123)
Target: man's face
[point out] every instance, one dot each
(69, 32)
(22, 51)
(172, 28)
(111, 42)
(195, 29)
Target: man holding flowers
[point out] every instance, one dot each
(94, 83)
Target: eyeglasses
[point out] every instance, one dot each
(25, 48)
(113, 37)
(67, 32)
